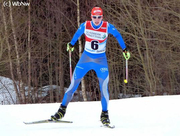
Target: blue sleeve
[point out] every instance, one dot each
(78, 33)
(112, 30)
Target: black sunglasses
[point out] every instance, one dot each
(97, 17)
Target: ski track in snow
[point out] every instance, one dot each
(146, 116)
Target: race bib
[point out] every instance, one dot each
(96, 38)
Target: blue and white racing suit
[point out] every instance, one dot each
(93, 58)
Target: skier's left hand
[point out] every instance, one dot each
(70, 47)
(126, 54)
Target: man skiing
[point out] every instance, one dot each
(93, 58)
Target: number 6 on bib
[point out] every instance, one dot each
(94, 45)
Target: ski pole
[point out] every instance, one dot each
(70, 66)
(126, 80)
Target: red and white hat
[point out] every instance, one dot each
(96, 11)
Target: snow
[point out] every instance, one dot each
(7, 91)
(145, 116)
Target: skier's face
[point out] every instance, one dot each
(97, 19)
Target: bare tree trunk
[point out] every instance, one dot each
(83, 87)
(50, 74)
(61, 73)
(61, 68)
(50, 57)
(29, 52)
(9, 55)
(22, 92)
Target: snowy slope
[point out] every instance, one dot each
(148, 116)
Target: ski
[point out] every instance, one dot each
(108, 126)
(47, 121)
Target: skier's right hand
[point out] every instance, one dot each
(126, 54)
(70, 47)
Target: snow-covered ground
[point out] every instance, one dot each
(147, 116)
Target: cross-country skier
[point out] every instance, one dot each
(93, 58)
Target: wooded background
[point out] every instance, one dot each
(33, 46)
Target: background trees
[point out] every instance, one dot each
(33, 47)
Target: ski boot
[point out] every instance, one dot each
(105, 118)
(60, 114)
